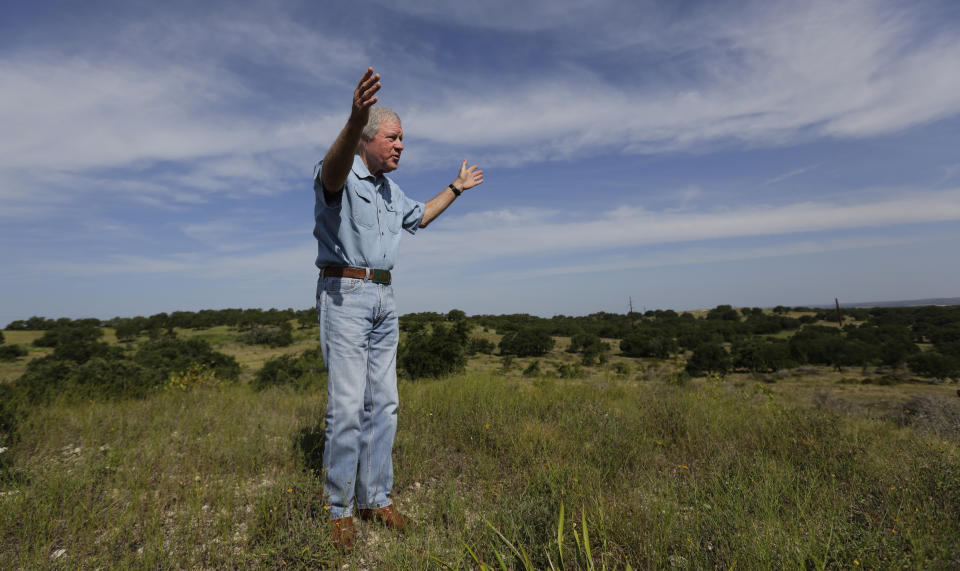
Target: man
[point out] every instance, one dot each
(359, 213)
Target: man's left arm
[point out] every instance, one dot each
(468, 178)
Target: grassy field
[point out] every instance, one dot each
(625, 463)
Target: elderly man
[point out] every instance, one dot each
(359, 213)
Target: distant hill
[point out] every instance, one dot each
(902, 303)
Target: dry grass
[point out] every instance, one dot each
(815, 470)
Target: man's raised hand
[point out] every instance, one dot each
(339, 157)
(363, 96)
(468, 177)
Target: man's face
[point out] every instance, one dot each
(382, 153)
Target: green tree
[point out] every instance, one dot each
(723, 312)
(935, 365)
(648, 344)
(301, 371)
(307, 318)
(172, 355)
(709, 358)
(435, 354)
(128, 329)
(527, 342)
(12, 352)
(479, 345)
(77, 343)
(757, 355)
(272, 335)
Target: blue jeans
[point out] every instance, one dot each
(359, 332)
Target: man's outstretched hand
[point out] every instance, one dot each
(468, 177)
(363, 96)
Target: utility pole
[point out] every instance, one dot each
(631, 304)
(839, 317)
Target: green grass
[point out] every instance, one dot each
(801, 473)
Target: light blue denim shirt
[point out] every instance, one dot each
(362, 229)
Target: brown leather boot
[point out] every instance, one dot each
(387, 516)
(342, 534)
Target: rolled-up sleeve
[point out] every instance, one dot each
(318, 189)
(412, 214)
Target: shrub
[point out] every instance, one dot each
(11, 412)
(307, 318)
(479, 345)
(77, 343)
(68, 334)
(584, 341)
(44, 379)
(935, 365)
(589, 358)
(273, 336)
(679, 379)
(301, 371)
(169, 355)
(196, 377)
(435, 354)
(526, 342)
(622, 369)
(723, 312)
(532, 370)
(643, 344)
(760, 356)
(112, 379)
(569, 371)
(708, 358)
(12, 352)
(127, 330)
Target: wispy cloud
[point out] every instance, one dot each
(543, 240)
(284, 264)
(776, 72)
(790, 174)
(631, 227)
(710, 255)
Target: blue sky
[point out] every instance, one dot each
(157, 156)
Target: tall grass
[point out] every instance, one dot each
(585, 473)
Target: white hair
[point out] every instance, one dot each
(378, 114)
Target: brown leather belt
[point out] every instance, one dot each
(376, 276)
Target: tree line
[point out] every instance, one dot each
(129, 327)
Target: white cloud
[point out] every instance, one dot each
(701, 255)
(771, 74)
(630, 227)
(759, 73)
(274, 264)
(543, 242)
(789, 175)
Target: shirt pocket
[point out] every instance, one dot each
(394, 217)
(363, 208)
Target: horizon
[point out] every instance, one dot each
(950, 301)
(158, 157)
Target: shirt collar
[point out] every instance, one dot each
(361, 169)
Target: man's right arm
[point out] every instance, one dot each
(339, 158)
